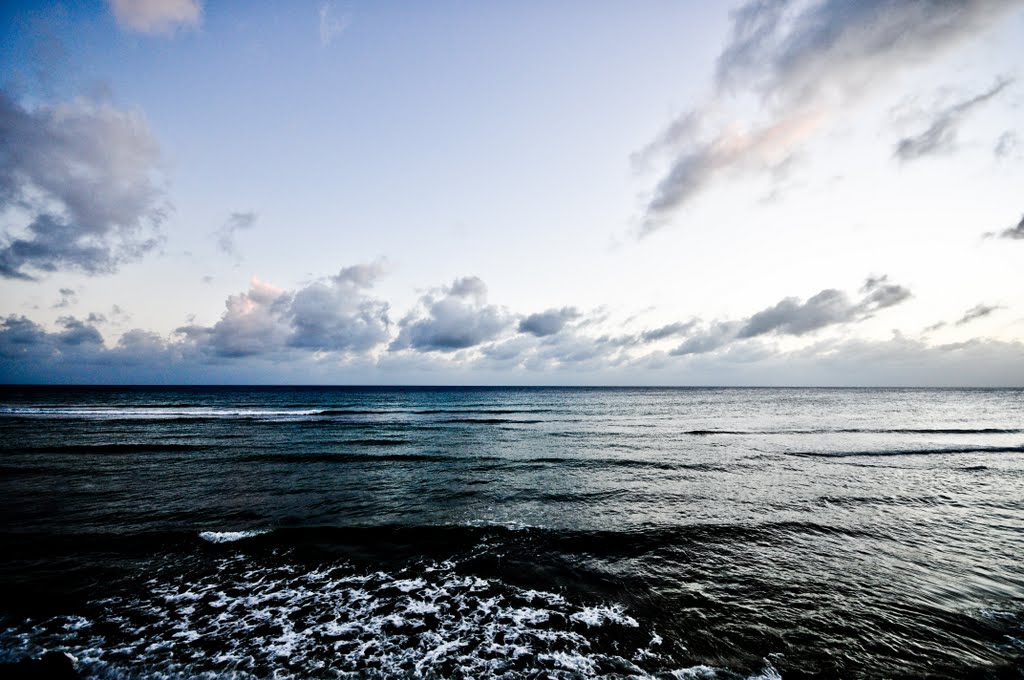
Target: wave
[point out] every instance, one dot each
(230, 536)
(488, 421)
(429, 412)
(909, 452)
(350, 458)
(105, 448)
(862, 430)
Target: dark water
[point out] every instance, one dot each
(691, 533)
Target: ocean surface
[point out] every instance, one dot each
(504, 532)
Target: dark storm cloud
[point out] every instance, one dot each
(237, 221)
(977, 312)
(548, 322)
(82, 173)
(940, 135)
(457, 317)
(335, 315)
(804, 60)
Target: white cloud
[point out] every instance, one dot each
(330, 26)
(156, 16)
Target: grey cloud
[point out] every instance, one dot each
(791, 51)
(829, 307)
(156, 16)
(1013, 233)
(78, 332)
(333, 318)
(879, 294)
(668, 331)
(83, 174)
(468, 286)
(805, 60)
(335, 315)
(21, 338)
(458, 319)
(977, 312)
(361, 275)
(940, 135)
(67, 298)
(548, 322)
(1006, 145)
(717, 335)
(237, 221)
(790, 316)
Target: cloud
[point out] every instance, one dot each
(330, 27)
(667, 331)
(454, 318)
(977, 312)
(82, 175)
(236, 221)
(548, 322)
(68, 297)
(716, 335)
(794, 317)
(156, 16)
(334, 315)
(940, 135)
(1013, 233)
(804, 61)
(1006, 145)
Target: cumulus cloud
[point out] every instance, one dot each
(940, 135)
(804, 60)
(82, 175)
(452, 318)
(237, 221)
(335, 315)
(156, 16)
(548, 322)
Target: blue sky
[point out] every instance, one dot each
(787, 192)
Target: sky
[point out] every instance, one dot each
(760, 192)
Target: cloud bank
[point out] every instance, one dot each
(337, 329)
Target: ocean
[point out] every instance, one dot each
(279, 532)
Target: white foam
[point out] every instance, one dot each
(301, 623)
(598, 616)
(229, 536)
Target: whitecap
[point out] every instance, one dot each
(229, 536)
